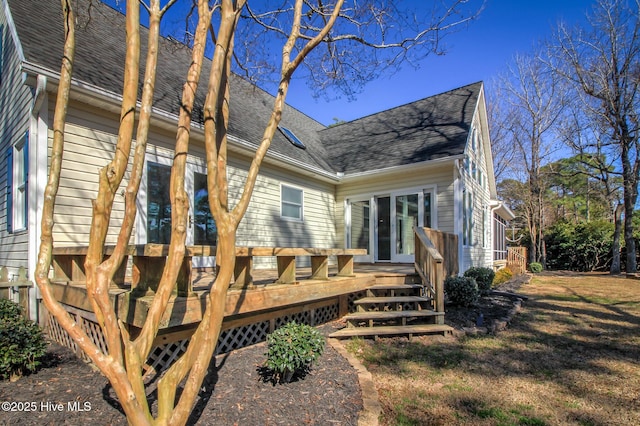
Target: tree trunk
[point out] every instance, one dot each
(615, 247)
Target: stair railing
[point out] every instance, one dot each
(429, 264)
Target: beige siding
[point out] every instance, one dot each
(440, 176)
(477, 254)
(15, 103)
(263, 224)
(90, 138)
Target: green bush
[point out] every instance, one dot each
(535, 267)
(579, 246)
(461, 291)
(502, 276)
(21, 342)
(291, 351)
(483, 276)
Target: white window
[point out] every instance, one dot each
(292, 202)
(17, 185)
(467, 218)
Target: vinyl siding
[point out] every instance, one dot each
(90, 139)
(89, 143)
(475, 254)
(15, 103)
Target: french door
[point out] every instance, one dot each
(202, 228)
(393, 216)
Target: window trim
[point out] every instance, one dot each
(17, 201)
(283, 202)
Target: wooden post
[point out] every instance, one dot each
(345, 265)
(242, 277)
(4, 278)
(438, 282)
(286, 269)
(319, 268)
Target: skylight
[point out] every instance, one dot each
(292, 137)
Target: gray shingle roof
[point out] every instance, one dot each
(100, 53)
(428, 129)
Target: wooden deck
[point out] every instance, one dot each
(332, 286)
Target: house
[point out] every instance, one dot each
(361, 184)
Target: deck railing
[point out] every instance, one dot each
(148, 262)
(517, 259)
(429, 264)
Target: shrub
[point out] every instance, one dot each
(461, 291)
(21, 342)
(579, 246)
(535, 267)
(483, 277)
(502, 276)
(292, 349)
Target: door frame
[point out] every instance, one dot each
(142, 203)
(372, 256)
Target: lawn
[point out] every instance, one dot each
(571, 356)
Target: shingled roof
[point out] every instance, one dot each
(424, 130)
(427, 129)
(100, 54)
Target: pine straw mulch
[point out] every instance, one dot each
(233, 393)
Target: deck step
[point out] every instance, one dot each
(383, 315)
(391, 299)
(396, 287)
(397, 279)
(392, 330)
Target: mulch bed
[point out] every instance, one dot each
(233, 393)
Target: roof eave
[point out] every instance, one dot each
(405, 168)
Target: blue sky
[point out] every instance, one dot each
(479, 52)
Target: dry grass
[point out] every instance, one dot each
(570, 357)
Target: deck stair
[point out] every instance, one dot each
(395, 306)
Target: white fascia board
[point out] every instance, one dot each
(110, 101)
(407, 168)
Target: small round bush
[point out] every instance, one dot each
(483, 276)
(502, 276)
(292, 349)
(535, 267)
(21, 342)
(461, 291)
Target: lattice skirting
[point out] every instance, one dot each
(230, 339)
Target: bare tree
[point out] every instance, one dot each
(501, 147)
(303, 26)
(602, 61)
(531, 105)
(585, 133)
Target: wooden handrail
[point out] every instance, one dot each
(429, 264)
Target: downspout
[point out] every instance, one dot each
(41, 86)
(35, 182)
(494, 205)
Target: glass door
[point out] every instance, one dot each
(406, 213)
(383, 229)
(202, 227)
